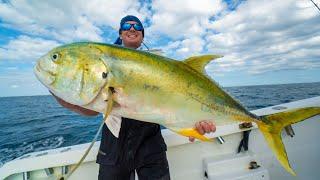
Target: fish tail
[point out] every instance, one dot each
(271, 126)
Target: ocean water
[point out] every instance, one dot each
(36, 123)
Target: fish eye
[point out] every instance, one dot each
(55, 57)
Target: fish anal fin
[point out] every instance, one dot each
(191, 132)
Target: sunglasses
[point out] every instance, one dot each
(127, 26)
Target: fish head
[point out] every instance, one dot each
(75, 72)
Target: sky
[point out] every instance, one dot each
(262, 41)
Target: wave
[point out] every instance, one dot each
(28, 120)
(10, 153)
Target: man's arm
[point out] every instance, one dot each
(75, 108)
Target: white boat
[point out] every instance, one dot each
(198, 160)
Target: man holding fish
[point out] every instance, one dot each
(129, 145)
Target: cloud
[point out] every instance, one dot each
(182, 49)
(67, 21)
(255, 36)
(185, 23)
(14, 86)
(26, 49)
(262, 36)
(182, 19)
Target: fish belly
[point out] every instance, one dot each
(178, 112)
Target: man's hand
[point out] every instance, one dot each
(204, 127)
(75, 108)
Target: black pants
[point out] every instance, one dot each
(153, 167)
(140, 147)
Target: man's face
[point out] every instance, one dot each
(131, 38)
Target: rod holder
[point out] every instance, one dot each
(220, 139)
(64, 170)
(289, 130)
(245, 125)
(49, 171)
(25, 175)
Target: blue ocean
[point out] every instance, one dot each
(36, 123)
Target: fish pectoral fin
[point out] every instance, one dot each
(114, 124)
(191, 132)
(199, 62)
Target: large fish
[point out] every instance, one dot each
(153, 88)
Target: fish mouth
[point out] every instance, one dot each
(44, 76)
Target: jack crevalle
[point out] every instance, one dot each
(152, 88)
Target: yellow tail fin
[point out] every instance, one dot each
(272, 125)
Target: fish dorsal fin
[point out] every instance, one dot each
(199, 62)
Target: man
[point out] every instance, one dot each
(140, 146)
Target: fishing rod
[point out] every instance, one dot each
(315, 5)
